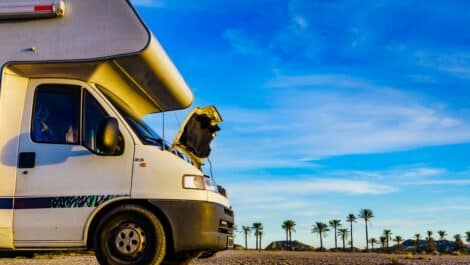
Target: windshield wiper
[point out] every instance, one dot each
(153, 140)
(156, 141)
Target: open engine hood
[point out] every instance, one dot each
(197, 132)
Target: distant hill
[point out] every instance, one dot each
(284, 245)
(444, 246)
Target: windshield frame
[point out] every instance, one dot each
(144, 132)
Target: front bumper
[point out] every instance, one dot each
(198, 225)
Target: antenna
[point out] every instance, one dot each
(176, 118)
(163, 131)
(210, 168)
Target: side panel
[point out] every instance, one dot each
(12, 100)
(162, 176)
(67, 183)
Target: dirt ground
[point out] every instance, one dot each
(269, 258)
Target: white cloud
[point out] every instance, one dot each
(416, 173)
(336, 80)
(444, 208)
(300, 21)
(311, 186)
(242, 43)
(456, 64)
(148, 3)
(314, 116)
(457, 182)
(429, 176)
(402, 223)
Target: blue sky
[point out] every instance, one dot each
(330, 107)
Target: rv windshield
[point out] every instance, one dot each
(145, 133)
(143, 130)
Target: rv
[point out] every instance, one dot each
(79, 168)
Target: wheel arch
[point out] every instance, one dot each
(103, 209)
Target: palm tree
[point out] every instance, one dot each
(442, 235)
(429, 233)
(468, 236)
(351, 218)
(383, 240)
(257, 227)
(335, 223)
(291, 229)
(459, 245)
(246, 232)
(373, 241)
(366, 214)
(343, 234)
(398, 240)
(321, 229)
(417, 236)
(430, 245)
(388, 236)
(289, 225)
(284, 226)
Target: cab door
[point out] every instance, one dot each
(62, 175)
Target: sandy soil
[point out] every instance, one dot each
(271, 258)
(317, 258)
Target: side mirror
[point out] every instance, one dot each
(108, 137)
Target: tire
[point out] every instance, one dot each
(129, 235)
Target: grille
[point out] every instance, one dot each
(228, 212)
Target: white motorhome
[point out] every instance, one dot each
(79, 169)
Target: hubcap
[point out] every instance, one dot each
(130, 239)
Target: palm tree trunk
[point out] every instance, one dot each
(256, 234)
(352, 240)
(336, 239)
(246, 240)
(260, 237)
(344, 243)
(321, 241)
(367, 238)
(290, 237)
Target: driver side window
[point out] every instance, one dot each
(56, 115)
(58, 112)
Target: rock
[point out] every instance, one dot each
(284, 245)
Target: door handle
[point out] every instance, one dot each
(27, 160)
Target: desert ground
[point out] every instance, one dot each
(268, 258)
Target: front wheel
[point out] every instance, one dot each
(130, 235)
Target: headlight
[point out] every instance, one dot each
(199, 183)
(194, 182)
(211, 185)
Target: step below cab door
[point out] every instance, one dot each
(62, 174)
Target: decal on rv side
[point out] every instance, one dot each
(88, 201)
